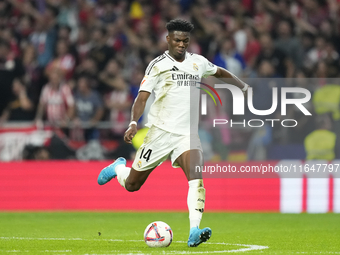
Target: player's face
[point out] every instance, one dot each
(178, 43)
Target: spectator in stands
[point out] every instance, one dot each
(252, 49)
(82, 44)
(119, 102)
(100, 52)
(116, 39)
(229, 58)
(110, 78)
(86, 12)
(56, 101)
(263, 88)
(89, 68)
(21, 107)
(305, 124)
(109, 14)
(261, 18)
(5, 12)
(10, 68)
(329, 30)
(64, 33)
(68, 16)
(8, 35)
(24, 29)
(332, 60)
(314, 12)
(64, 61)
(321, 72)
(214, 37)
(240, 36)
(32, 152)
(283, 65)
(307, 44)
(32, 72)
(44, 36)
(316, 53)
(135, 81)
(288, 43)
(89, 108)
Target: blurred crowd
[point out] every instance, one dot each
(78, 62)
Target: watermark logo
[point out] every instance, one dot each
(239, 103)
(204, 96)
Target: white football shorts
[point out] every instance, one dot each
(159, 144)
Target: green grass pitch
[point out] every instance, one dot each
(122, 233)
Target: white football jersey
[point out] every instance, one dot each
(176, 105)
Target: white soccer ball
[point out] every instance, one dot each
(158, 234)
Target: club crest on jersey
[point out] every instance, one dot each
(139, 164)
(195, 66)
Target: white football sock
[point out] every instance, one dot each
(196, 200)
(122, 174)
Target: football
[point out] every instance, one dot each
(158, 234)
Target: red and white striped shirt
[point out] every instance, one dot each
(57, 101)
(120, 117)
(65, 63)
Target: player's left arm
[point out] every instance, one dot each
(232, 79)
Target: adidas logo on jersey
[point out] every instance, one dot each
(174, 69)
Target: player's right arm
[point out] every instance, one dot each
(232, 79)
(220, 72)
(136, 112)
(148, 83)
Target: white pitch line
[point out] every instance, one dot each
(15, 251)
(248, 247)
(42, 238)
(305, 252)
(174, 252)
(65, 239)
(38, 251)
(137, 253)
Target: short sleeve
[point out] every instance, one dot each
(210, 68)
(150, 78)
(43, 96)
(67, 94)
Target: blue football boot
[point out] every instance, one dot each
(198, 236)
(109, 172)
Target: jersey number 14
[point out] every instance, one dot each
(146, 155)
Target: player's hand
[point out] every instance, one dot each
(130, 133)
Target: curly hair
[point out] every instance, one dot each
(179, 25)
